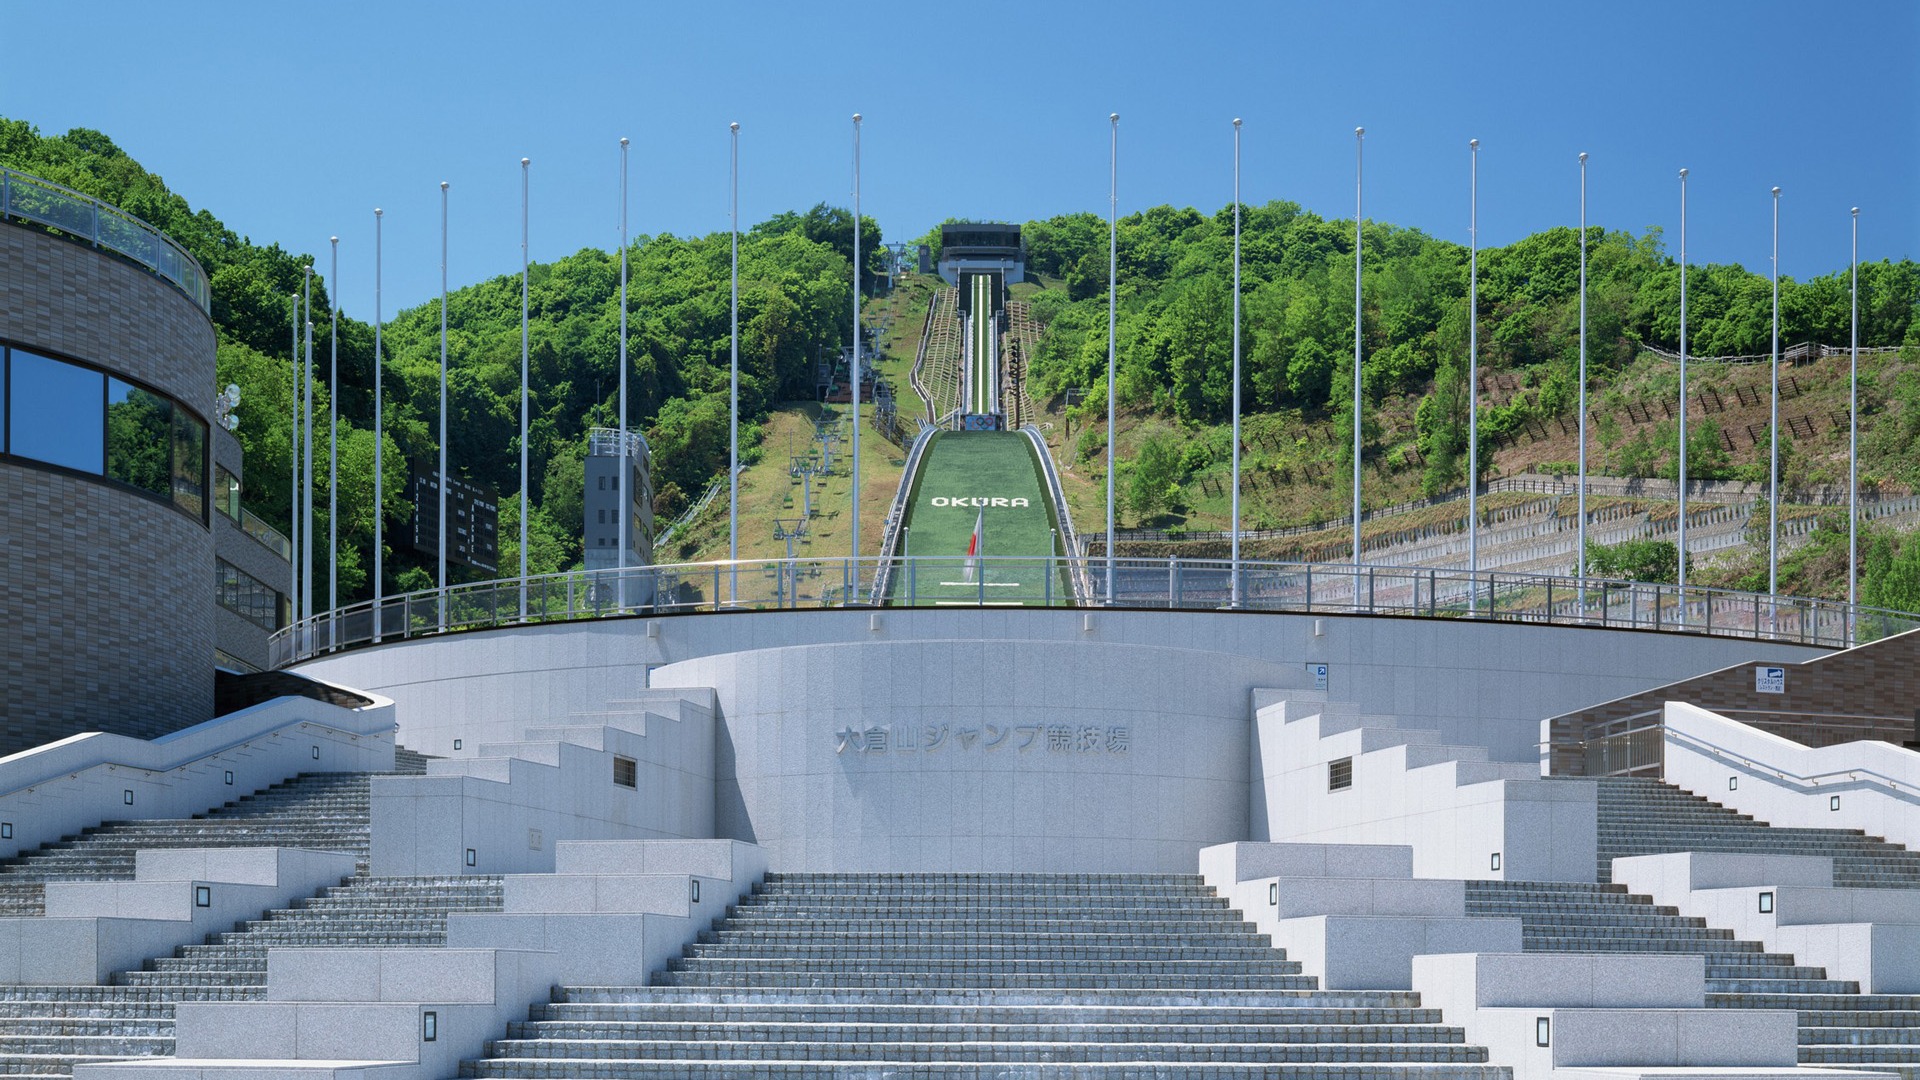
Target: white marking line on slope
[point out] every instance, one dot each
(980, 603)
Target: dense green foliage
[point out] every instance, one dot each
(795, 307)
(1890, 572)
(1636, 560)
(1174, 339)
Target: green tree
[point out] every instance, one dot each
(1155, 475)
(1890, 573)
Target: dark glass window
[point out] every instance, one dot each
(53, 412)
(249, 597)
(226, 492)
(190, 464)
(139, 437)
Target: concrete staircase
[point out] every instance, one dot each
(319, 811)
(1647, 817)
(46, 1030)
(978, 975)
(1838, 1025)
(363, 913)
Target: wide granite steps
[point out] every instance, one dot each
(963, 975)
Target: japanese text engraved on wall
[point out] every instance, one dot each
(986, 739)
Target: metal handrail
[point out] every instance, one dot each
(47, 203)
(897, 513)
(687, 515)
(1172, 583)
(1806, 780)
(173, 763)
(1069, 540)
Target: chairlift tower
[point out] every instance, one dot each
(801, 467)
(828, 436)
(789, 530)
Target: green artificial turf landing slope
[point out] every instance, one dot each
(960, 467)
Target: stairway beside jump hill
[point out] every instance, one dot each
(1839, 1026)
(46, 1030)
(979, 975)
(1648, 817)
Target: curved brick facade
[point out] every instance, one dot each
(105, 595)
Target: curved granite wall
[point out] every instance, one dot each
(1037, 739)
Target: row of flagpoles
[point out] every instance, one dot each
(1473, 371)
(301, 501)
(303, 453)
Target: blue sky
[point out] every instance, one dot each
(292, 124)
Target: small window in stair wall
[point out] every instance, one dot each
(1340, 774)
(625, 772)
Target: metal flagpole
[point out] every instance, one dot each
(441, 581)
(306, 457)
(1236, 362)
(1473, 375)
(856, 353)
(379, 488)
(523, 388)
(626, 465)
(1359, 144)
(733, 438)
(1773, 428)
(1113, 276)
(333, 442)
(1853, 441)
(293, 470)
(1683, 396)
(1580, 565)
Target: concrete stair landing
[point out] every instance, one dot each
(1839, 1026)
(1648, 817)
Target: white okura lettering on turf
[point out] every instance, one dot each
(1011, 504)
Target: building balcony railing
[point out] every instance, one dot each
(275, 540)
(85, 218)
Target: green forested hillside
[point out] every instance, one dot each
(795, 305)
(1174, 355)
(1175, 340)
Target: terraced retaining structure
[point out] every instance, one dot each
(978, 975)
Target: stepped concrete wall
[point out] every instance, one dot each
(513, 808)
(1869, 936)
(1629, 1013)
(1464, 816)
(93, 929)
(613, 912)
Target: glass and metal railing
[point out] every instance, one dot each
(83, 217)
(1166, 584)
(273, 538)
